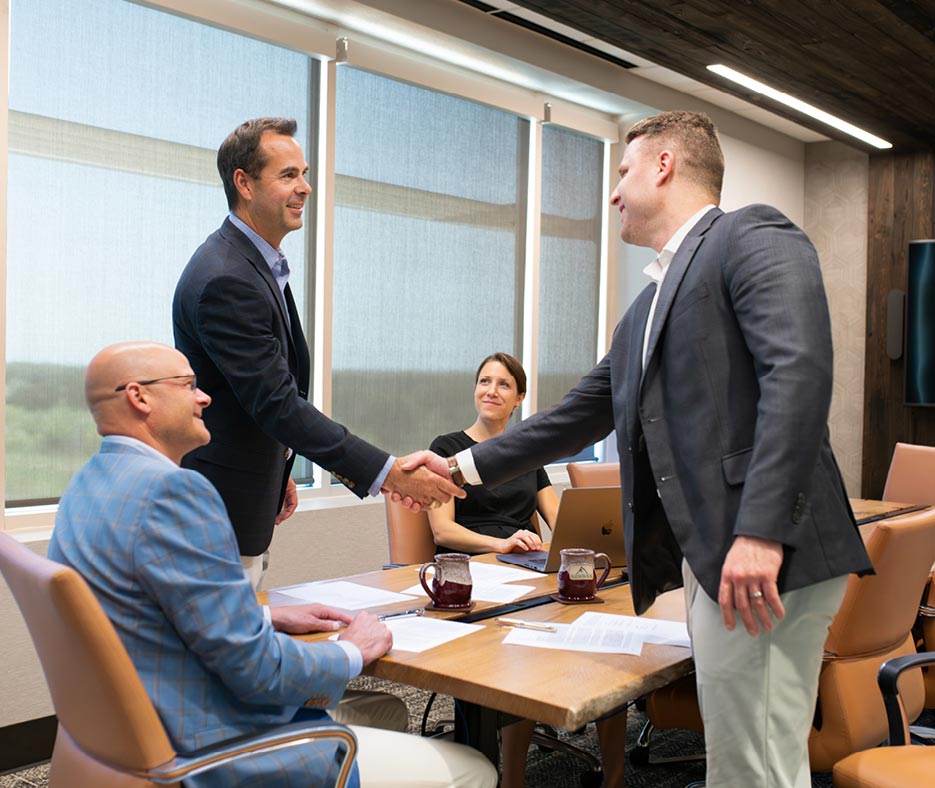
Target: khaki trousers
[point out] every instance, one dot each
(401, 760)
(757, 695)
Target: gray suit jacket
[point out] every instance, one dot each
(726, 431)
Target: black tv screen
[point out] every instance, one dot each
(920, 324)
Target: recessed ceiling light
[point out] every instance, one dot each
(800, 106)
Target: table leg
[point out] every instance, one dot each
(478, 727)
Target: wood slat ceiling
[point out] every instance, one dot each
(870, 62)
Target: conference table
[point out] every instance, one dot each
(497, 683)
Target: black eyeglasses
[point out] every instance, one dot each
(193, 386)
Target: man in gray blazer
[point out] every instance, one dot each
(718, 385)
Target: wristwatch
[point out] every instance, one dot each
(456, 476)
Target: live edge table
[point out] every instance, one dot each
(497, 683)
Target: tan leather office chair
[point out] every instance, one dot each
(911, 477)
(898, 765)
(594, 474)
(873, 624)
(411, 542)
(409, 535)
(109, 735)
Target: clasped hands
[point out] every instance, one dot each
(421, 481)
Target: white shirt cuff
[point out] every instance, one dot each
(381, 477)
(267, 616)
(466, 464)
(355, 660)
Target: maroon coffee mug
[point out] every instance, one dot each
(451, 581)
(576, 581)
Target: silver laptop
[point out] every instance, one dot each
(589, 517)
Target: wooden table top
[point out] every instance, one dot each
(868, 511)
(562, 688)
(402, 577)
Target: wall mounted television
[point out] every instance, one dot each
(920, 324)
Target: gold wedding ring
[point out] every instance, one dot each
(436, 503)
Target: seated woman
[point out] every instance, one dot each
(499, 520)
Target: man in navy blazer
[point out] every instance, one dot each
(155, 545)
(235, 319)
(718, 384)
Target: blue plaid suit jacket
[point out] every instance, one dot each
(155, 545)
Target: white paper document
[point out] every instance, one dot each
(342, 594)
(571, 637)
(484, 591)
(501, 573)
(421, 633)
(649, 630)
(604, 633)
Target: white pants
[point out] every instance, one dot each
(757, 695)
(371, 709)
(399, 760)
(256, 566)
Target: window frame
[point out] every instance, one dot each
(276, 24)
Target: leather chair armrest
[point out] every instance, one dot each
(888, 679)
(207, 758)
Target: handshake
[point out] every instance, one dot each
(421, 481)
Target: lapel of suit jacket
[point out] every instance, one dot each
(243, 244)
(303, 360)
(674, 276)
(633, 369)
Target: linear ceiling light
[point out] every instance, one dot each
(800, 106)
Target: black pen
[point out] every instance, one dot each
(419, 611)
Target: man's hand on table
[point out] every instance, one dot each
(303, 619)
(421, 481)
(370, 635)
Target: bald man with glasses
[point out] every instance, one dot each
(155, 544)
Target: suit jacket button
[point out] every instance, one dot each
(287, 453)
(630, 505)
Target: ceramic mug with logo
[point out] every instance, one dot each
(576, 575)
(451, 580)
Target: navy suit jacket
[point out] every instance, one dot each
(153, 542)
(229, 320)
(726, 431)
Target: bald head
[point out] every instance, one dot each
(119, 364)
(164, 413)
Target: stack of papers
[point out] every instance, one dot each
(604, 633)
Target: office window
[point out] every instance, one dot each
(116, 112)
(428, 255)
(569, 261)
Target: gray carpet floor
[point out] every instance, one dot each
(544, 769)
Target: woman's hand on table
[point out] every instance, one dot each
(521, 542)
